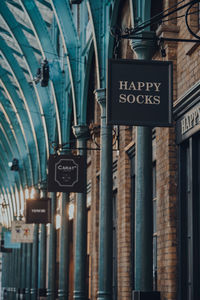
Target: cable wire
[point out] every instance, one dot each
(149, 22)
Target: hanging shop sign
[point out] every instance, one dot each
(38, 211)
(22, 232)
(139, 93)
(66, 174)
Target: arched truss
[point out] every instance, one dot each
(34, 117)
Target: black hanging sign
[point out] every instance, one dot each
(38, 211)
(66, 173)
(139, 92)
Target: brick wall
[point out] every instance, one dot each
(186, 70)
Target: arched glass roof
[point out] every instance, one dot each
(29, 113)
(37, 110)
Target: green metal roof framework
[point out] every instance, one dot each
(32, 117)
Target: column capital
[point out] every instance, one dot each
(81, 131)
(144, 48)
(100, 95)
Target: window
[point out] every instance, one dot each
(189, 227)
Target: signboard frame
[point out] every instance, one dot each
(66, 173)
(41, 213)
(22, 232)
(143, 79)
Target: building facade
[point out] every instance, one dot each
(134, 232)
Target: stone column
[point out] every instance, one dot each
(143, 201)
(52, 252)
(63, 290)
(28, 271)
(80, 255)
(34, 285)
(42, 252)
(105, 218)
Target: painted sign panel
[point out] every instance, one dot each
(22, 232)
(66, 173)
(139, 92)
(188, 124)
(38, 211)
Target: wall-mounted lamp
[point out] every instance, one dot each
(42, 75)
(14, 165)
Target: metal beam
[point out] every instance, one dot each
(48, 51)
(29, 103)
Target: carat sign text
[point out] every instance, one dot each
(66, 173)
(139, 93)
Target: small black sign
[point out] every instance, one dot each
(139, 92)
(66, 173)
(38, 211)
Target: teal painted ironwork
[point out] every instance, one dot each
(15, 150)
(143, 201)
(23, 268)
(18, 273)
(26, 96)
(28, 271)
(105, 217)
(72, 48)
(5, 180)
(34, 266)
(42, 94)
(80, 254)
(5, 176)
(42, 250)
(63, 290)
(48, 51)
(51, 289)
(31, 60)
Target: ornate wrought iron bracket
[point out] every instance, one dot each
(134, 33)
(94, 135)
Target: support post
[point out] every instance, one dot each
(35, 264)
(15, 252)
(105, 218)
(143, 201)
(10, 279)
(5, 271)
(51, 291)
(35, 259)
(23, 268)
(18, 279)
(81, 132)
(28, 271)
(42, 254)
(64, 249)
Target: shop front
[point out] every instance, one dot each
(187, 114)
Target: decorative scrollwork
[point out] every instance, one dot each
(186, 19)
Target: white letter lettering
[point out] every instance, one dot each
(123, 85)
(157, 86)
(122, 98)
